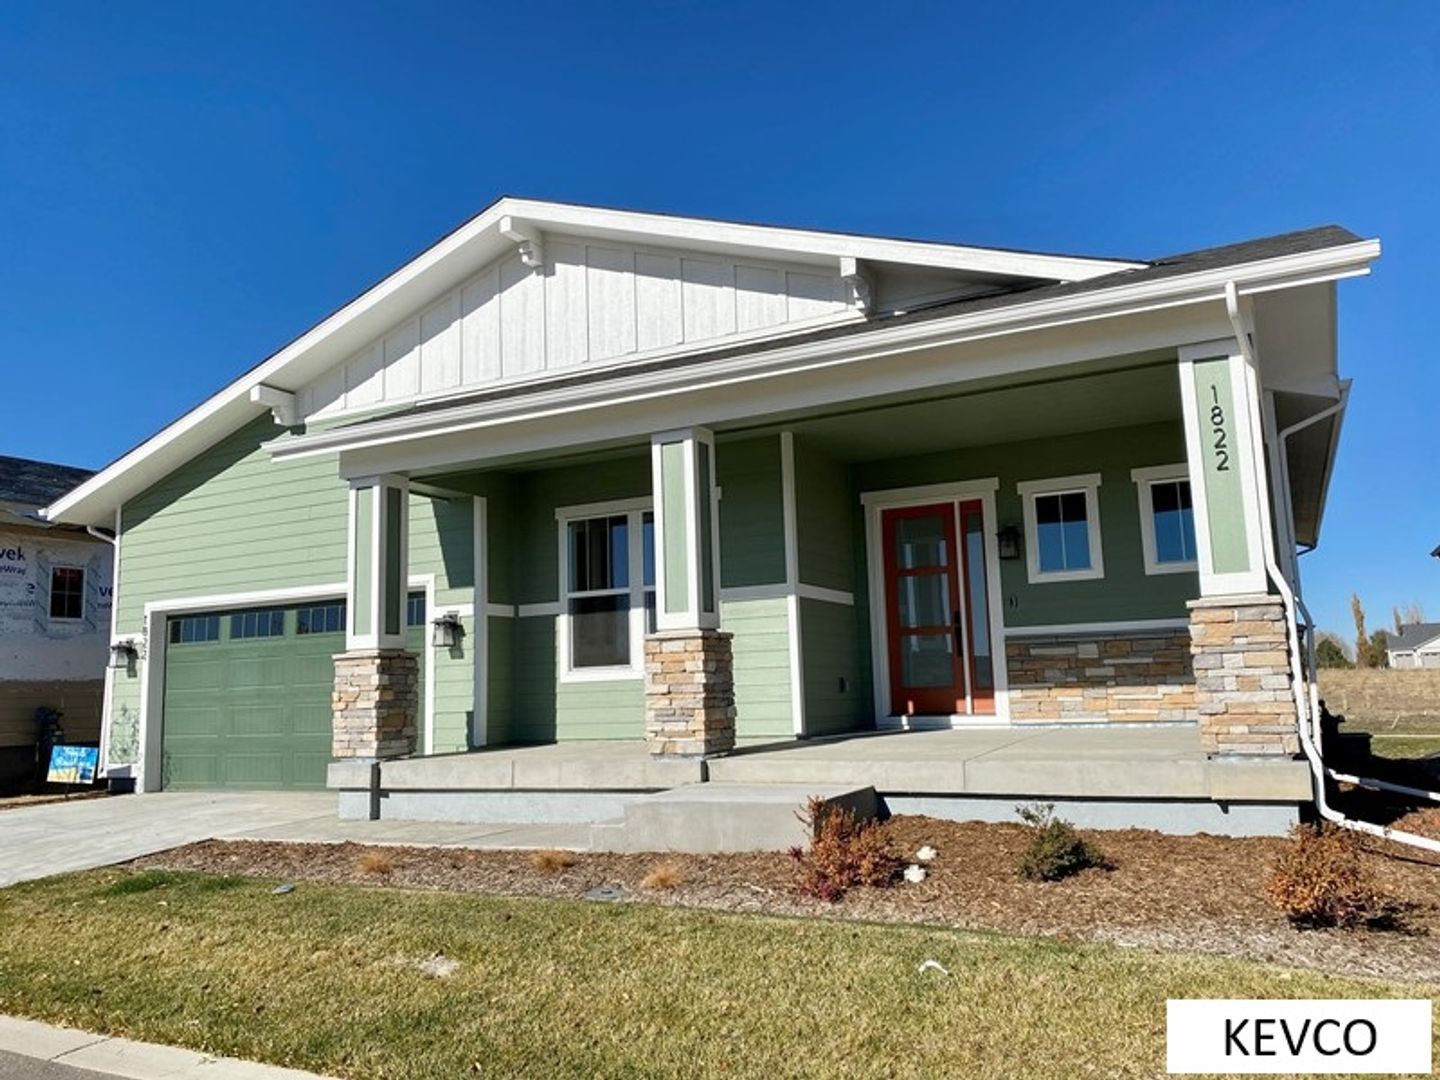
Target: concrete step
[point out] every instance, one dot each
(712, 818)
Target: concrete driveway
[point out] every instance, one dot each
(55, 838)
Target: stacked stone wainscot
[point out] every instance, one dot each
(375, 703)
(1244, 696)
(1093, 678)
(689, 693)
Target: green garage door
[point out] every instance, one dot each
(247, 694)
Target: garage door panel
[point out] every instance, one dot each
(262, 674)
(198, 717)
(255, 769)
(252, 712)
(188, 671)
(249, 712)
(268, 721)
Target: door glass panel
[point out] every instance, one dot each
(975, 601)
(920, 542)
(924, 600)
(926, 660)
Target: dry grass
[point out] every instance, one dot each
(377, 863)
(663, 877)
(563, 990)
(552, 860)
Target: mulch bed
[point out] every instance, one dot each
(1193, 893)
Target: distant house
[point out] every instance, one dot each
(55, 600)
(1417, 645)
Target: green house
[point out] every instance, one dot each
(577, 474)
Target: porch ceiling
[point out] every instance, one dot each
(1090, 401)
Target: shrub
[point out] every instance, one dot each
(1320, 879)
(552, 861)
(844, 853)
(665, 876)
(379, 863)
(1055, 849)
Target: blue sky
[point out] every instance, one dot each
(184, 187)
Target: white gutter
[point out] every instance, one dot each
(1306, 701)
(1326, 264)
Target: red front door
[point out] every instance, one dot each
(922, 611)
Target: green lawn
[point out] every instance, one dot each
(1404, 746)
(325, 979)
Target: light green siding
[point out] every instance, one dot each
(762, 666)
(829, 665)
(1125, 592)
(826, 514)
(500, 681)
(231, 520)
(362, 554)
(752, 516)
(547, 709)
(454, 691)
(1220, 459)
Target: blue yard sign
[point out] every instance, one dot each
(73, 764)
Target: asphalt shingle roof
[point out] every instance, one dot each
(37, 483)
(1413, 635)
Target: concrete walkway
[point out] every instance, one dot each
(56, 838)
(30, 1049)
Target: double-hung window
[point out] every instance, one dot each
(608, 589)
(1062, 528)
(1167, 519)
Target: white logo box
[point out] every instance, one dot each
(1298, 1036)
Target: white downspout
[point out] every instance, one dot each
(1303, 699)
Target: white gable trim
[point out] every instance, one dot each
(480, 240)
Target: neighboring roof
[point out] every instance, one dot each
(1032, 278)
(1231, 255)
(1412, 636)
(37, 483)
(1435, 554)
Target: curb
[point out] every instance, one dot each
(114, 1056)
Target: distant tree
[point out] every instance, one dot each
(1380, 649)
(1409, 615)
(1363, 655)
(1329, 654)
(1399, 621)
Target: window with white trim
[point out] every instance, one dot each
(67, 592)
(1062, 528)
(607, 589)
(1167, 519)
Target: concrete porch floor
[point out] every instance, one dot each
(1137, 762)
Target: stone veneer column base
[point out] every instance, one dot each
(1241, 653)
(375, 703)
(689, 693)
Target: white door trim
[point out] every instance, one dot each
(875, 502)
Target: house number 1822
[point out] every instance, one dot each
(1217, 429)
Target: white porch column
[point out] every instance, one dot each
(1219, 442)
(689, 665)
(375, 701)
(687, 531)
(378, 557)
(1239, 643)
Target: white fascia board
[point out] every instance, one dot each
(770, 240)
(1208, 286)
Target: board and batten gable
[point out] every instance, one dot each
(590, 302)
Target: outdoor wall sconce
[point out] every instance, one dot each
(123, 653)
(1008, 542)
(445, 631)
